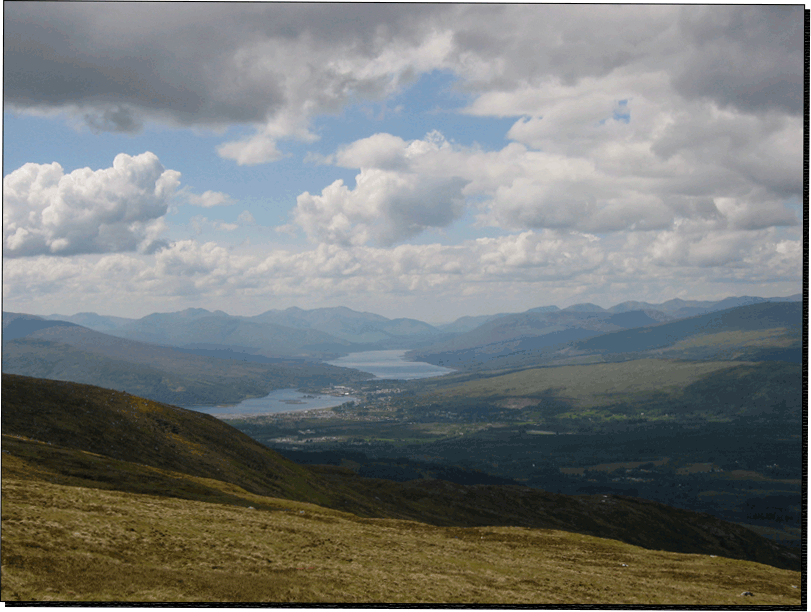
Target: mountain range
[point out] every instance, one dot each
(329, 332)
(575, 335)
(196, 356)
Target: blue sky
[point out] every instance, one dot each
(429, 161)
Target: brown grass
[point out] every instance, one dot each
(66, 543)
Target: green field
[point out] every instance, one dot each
(589, 386)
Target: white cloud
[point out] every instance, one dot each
(209, 199)
(378, 151)
(632, 173)
(246, 218)
(257, 149)
(596, 166)
(393, 199)
(317, 80)
(199, 223)
(111, 210)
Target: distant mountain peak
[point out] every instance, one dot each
(544, 309)
(194, 312)
(586, 307)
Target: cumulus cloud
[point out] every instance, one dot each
(756, 256)
(637, 176)
(384, 208)
(116, 209)
(595, 165)
(394, 197)
(746, 58)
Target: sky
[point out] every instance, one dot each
(426, 161)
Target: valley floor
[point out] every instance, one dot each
(68, 543)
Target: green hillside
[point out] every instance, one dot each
(77, 435)
(592, 385)
(655, 387)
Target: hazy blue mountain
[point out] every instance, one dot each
(200, 329)
(584, 308)
(328, 332)
(65, 351)
(92, 320)
(466, 324)
(632, 305)
(351, 326)
(636, 318)
(544, 309)
(532, 324)
(18, 325)
(768, 331)
(680, 309)
(732, 302)
(319, 317)
(559, 337)
(322, 332)
(666, 311)
(760, 316)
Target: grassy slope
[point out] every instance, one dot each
(86, 436)
(639, 522)
(78, 544)
(63, 543)
(132, 429)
